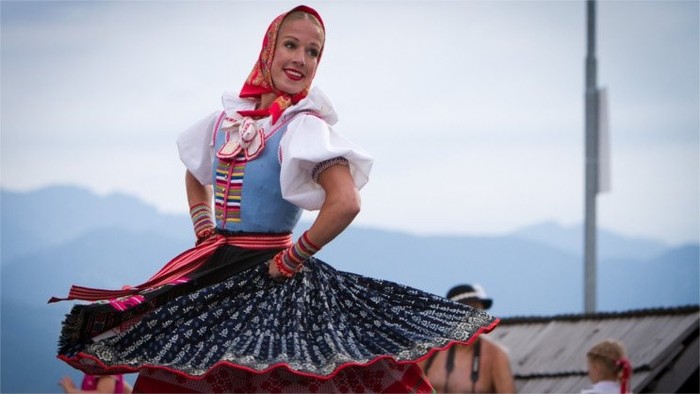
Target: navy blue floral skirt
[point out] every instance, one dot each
(230, 327)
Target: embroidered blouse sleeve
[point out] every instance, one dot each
(308, 142)
(196, 147)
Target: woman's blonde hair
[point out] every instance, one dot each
(297, 15)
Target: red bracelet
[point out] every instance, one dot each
(204, 235)
(281, 267)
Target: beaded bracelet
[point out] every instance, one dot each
(202, 221)
(281, 267)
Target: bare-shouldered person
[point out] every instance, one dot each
(482, 367)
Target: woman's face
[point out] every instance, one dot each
(299, 44)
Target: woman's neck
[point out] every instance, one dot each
(266, 100)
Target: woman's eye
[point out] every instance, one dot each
(290, 45)
(313, 52)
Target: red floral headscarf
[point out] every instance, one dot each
(260, 82)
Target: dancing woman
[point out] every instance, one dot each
(249, 309)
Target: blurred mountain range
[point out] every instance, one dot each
(60, 235)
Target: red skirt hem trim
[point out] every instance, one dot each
(120, 369)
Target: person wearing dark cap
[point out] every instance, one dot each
(481, 367)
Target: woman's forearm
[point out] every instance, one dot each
(199, 199)
(196, 192)
(340, 207)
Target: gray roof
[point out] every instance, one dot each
(548, 354)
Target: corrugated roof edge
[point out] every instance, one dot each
(668, 311)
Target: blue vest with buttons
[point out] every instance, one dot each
(247, 194)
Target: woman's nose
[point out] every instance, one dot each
(300, 58)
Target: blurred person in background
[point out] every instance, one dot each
(481, 367)
(96, 384)
(608, 368)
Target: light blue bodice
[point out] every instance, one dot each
(247, 194)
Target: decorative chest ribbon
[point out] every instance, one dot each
(242, 135)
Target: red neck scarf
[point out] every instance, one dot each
(260, 82)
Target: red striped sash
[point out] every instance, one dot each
(185, 263)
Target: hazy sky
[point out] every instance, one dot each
(473, 110)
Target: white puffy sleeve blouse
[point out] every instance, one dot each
(308, 141)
